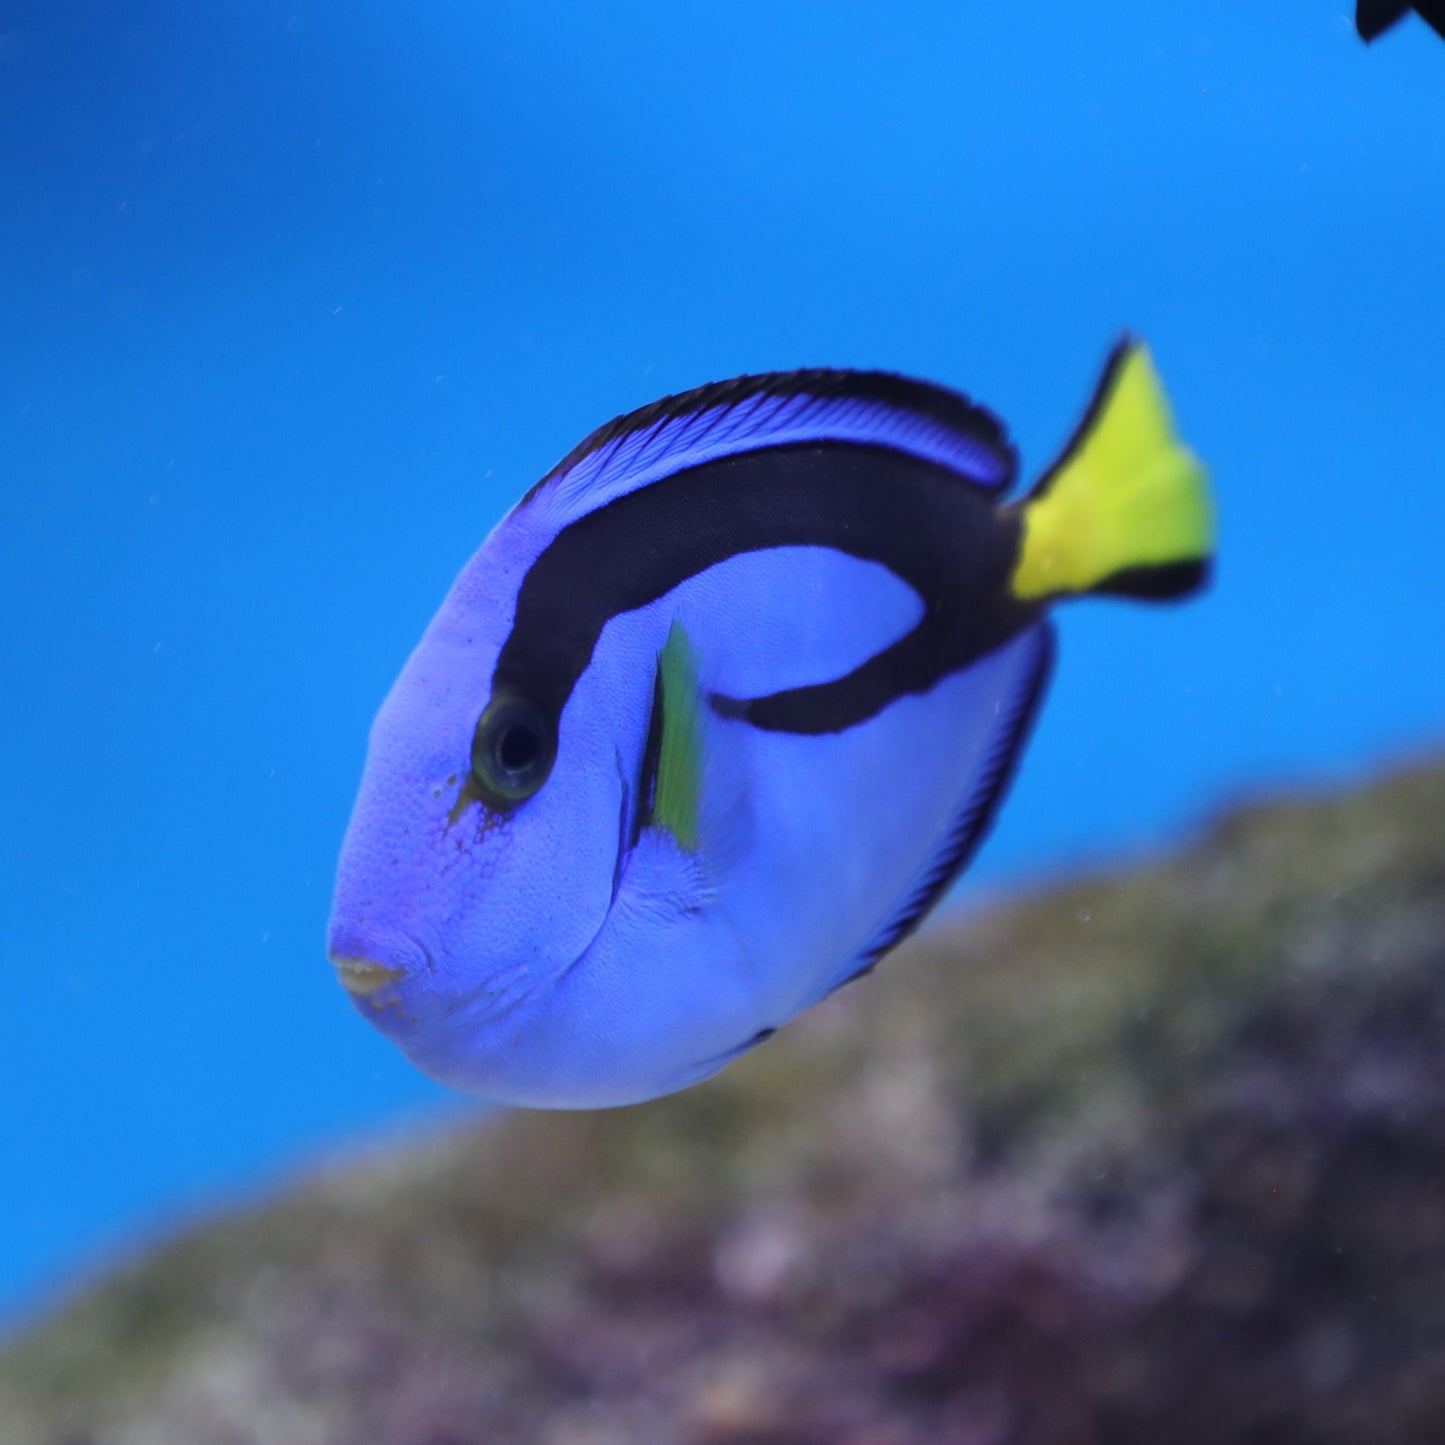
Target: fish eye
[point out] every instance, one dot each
(513, 749)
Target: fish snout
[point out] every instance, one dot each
(369, 961)
(361, 978)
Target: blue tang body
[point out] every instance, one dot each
(717, 713)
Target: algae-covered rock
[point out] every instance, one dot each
(1156, 1157)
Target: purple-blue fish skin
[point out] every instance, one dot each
(707, 725)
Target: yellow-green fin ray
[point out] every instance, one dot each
(677, 797)
(1127, 507)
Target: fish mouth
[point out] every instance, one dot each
(361, 978)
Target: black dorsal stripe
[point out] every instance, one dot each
(952, 544)
(949, 409)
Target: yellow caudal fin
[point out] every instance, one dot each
(1126, 508)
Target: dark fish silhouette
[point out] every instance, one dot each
(1374, 17)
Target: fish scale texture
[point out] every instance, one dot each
(1152, 1156)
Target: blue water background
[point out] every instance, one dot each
(295, 299)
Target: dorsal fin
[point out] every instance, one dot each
(782, 408)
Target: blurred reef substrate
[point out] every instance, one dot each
(1158, 1156)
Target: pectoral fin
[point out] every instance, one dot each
(672, 766)
(694, 766)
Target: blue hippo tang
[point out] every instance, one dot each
(719, 711)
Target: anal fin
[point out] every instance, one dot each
(976, 809)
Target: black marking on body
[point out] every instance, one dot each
(651, 757)
(948, 540)
(949, 409)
